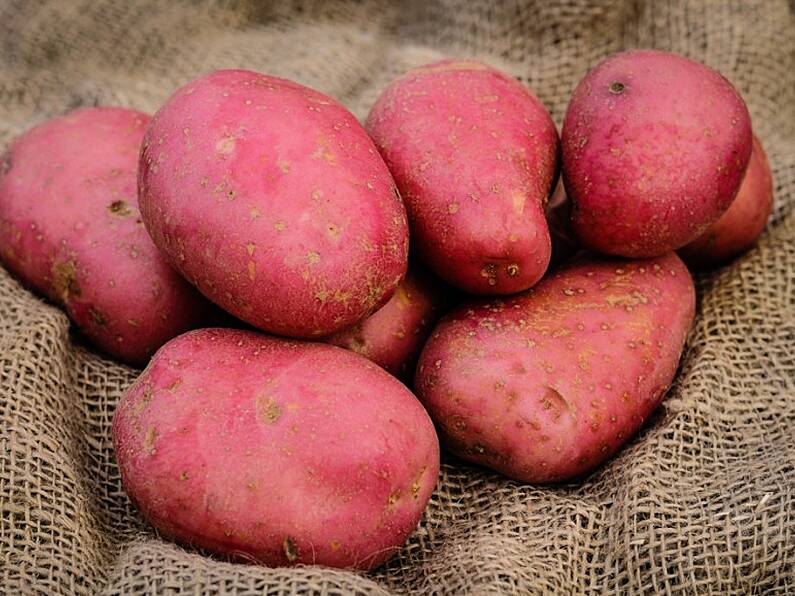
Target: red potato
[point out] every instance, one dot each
(273, 201)
(738, 229)
(654, 149)
(70, 229)
(275, 451)
(546, 385)
(393, 336)
(475, 156)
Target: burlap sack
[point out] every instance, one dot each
(701, 501)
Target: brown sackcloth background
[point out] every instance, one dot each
(702, 501)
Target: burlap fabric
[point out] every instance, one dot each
(701, 501)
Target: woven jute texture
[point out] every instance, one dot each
(703, 500)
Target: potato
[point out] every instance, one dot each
(737, 229)
(654, 149)
(70, 229)
(275, 451)
(475, 156)
(546, 385)
(273, 201)
(393, 336)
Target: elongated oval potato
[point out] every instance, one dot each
(70, 229)
(475, 155)
(738, 229)
(272, 200)
(654, 149)
(546, 385)
(393, 336)
(275, 451)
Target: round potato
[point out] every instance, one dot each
(70, 229)
(275, 451)
(738, 229)
(654, 149)
(393, 336)
(272, 200)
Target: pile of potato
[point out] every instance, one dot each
(269, 200)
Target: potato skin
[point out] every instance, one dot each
(546, 385)
(275, 451)
(475, 156)
(70, 229)
(393, 336)
(738, 228)
(654, 149)
(273, 201)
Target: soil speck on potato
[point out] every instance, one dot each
(64, 280)
(143, 402)
(120, 208)
(489, 271)
(149, 440)
(268, 411)
(290, 549)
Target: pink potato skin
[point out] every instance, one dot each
(475, 156)
(275, 451)
(393, 336)
(272, 200)
(70, 229)
(654, 149)
(546, 385)
(738, 229)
